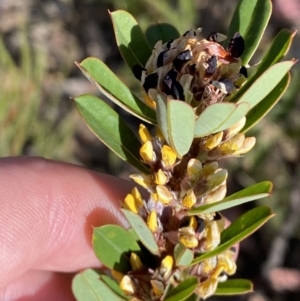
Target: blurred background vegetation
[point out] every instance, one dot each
(39, 42)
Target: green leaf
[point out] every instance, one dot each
(183, 290)
(193, 297)
(111, 86)
(130, 38)
(238, 230)
(250, 19)
(234, 287)
(254, 192)
(88, 286)
(182, 255)
(266, 83)
(161, 31)
(218, 117)
(112, 245)
(181, 126)
(110, 129)
(142, 231)
(279, 48)
(114, 286)
(276, 52)
(262, 109)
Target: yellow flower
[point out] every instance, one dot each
(217, 179)
(164, 195)
(136, 262)
(207, 288)
(216, 195)
(189, 200)
(160, 178)
(144, 134)
(166, 266)
(157, 287)
(212, 237)
(143, 180)
(213, 141)
(247, 146)
(233, 130)
(208, 265)
(127, 285)
(133, 201)
(168, 156)
(152, 221)
(147, 153)
(194, 168)
(187, 237)
(209, 169)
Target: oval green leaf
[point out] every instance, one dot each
(182, 255)
(250, 19)
(130, 38)
(108, 126)
(112, 245)
(238, 230)
(266, 83)
(254, 192)
(234, 287)
(183, 290)
(262, 109)
(111, 86)
(218, 117)
(161, 32)
(142, 231)
(88, 286)
(181, 126)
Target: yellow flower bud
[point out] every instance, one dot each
(127, 285)
(136, 262)
(212, 237)
(209, 169)
(247, 146)
(166, 266)
(152, 221)
(216, 195)
(137, 197)
(144, 134)
(189, 200)
(217, 179)
(164, 195)
(143, 180)
(188, 241)
(193, 223)
(231, 146)
(213, 141)
(207, 288)
(233, 130)
(168, 156)
(226, 260)
(146, 152)
(129, 203)
(157, 287)
(194, 168)
(160, 178)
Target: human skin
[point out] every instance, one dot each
(47, 213)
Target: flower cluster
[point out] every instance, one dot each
(200, 72)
